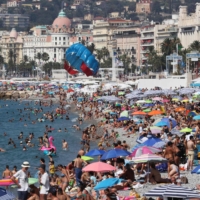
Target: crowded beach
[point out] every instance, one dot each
(147, 144)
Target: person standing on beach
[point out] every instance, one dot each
(78, 164)
(7, 173)
(190, 146)
(21, 180)
(44, 182)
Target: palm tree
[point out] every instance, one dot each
(25, 58)
(195, 46)
(45, 56)
(39, 56)
(99, 55)
(105, 53)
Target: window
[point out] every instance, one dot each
(59, 38)
(55, 43)
(54, 49)
(63, 43)
(63, 38)
(55, 38)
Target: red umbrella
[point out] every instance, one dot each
(99, 167)
(70, 90)
(138, 113)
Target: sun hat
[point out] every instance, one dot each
(88, 189)
(25, 164)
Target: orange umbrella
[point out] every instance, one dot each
(180, 109)
(155, 112)
(138, 113)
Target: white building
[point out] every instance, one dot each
(54, 39)
(189, 25)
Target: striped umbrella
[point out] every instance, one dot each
(148, 158)
(173, 191)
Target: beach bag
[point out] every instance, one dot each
(184, 180)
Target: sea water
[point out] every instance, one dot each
(16, 156)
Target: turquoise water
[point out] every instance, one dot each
(15, 156)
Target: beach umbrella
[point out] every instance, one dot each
(155, 112)
(155, 131)
(147, 110)
(70, 90)
(160, 144)
(87, 158)
(157, 99)
(95, 152)
(197, 117)
(165, 100)
(155, 127)
(98, 167)
(186, 130)
(4, 195)
(196, 170)
(185, 100)
(124, 113)
(151, 141)
(161, 123)
(172, 191)
(141, 101)
(148, 158)
(121, 93)
(107, 183)
(149, 105)
(138, 113)
(179, 109)
(148, 101)
(32, 181)
(192, 113)
(114, 153)
(123, 119)
(144, 150)
(168, 120)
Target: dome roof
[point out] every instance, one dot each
(61, 21)
(13, 33)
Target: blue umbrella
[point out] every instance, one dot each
(123, 119)
(4, 195)
(167, 120)
(114, 153)
(95, 152)
(161, 123)
(196, 170)
(149, 104)
(107, 183)
(151, 141)
(197, 117)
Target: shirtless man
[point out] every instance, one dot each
(64, 145)
(190, 146)
(7, 173)
(81, 152)
(78, 164)
(169, 152)
(61, 195)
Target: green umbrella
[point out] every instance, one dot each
(87, 158)
(124, 114)
(147, 110)
(186, 130)
(148, 101)
(121, 93)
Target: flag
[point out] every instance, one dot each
(178, 47)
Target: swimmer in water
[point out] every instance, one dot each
(64, 145)
(65, 130)
(59, 130)
(24, 148)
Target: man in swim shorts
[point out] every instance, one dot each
(190, 152)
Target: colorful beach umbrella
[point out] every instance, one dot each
(196, 170)
(157, 99)
(87, 158)
(123, 119)
(147, 110)
(186, 130)
(144, 150)
(148, 158)
(151, 141)
(155, 112)
(95, 152)
(148, 101)
(197, 117)
(98, 167)
(124, 113)
(179, 109)
(138, 113)
(107, 183)
(192, 113)
(165, 100)
(161, 123)
(114, 153)
(168, 121)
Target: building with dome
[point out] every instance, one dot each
(11, 44)
(53, 39)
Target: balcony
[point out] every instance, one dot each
(147, 44)
(146, 30)
(147, 36)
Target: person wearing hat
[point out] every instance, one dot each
(44, 182)
(21, 180)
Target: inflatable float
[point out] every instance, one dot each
(6, 182)
(51, 147)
